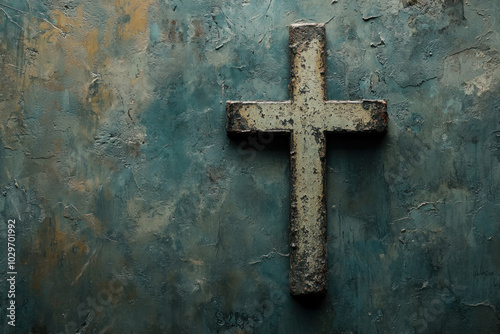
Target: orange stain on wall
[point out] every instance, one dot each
(56, 250)
(133, 17)
(91, 43)
(52, 247)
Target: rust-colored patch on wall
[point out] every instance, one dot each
(133, 17)
(99, 97)
(53, 250)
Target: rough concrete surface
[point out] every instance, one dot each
(137, 214)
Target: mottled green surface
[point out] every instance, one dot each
(136, 213)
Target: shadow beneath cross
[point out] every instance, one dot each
(311, 302)
(354, 141)
(251, 144)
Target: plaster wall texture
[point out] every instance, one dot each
(137, 214)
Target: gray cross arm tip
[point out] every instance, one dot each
(243, 117)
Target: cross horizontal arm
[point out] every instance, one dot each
(353, 116)
(253, 116)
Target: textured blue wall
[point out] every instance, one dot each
(136, 214)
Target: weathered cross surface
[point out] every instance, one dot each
(307, 117)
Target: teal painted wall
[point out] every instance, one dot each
(137, 214)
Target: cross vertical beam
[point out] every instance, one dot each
(307, 117)
(307, 235)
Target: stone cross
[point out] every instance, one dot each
(307, 117)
